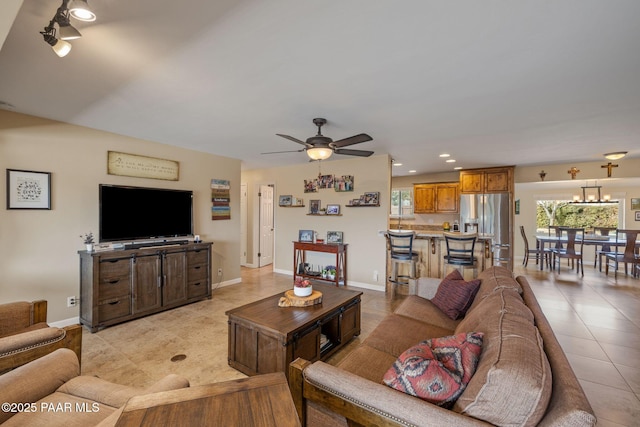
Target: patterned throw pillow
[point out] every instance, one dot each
(454, 295)
(437, 370)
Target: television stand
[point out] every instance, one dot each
(153, 244)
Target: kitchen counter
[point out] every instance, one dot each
(431, 246)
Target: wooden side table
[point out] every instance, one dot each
(339, 249)
(263, 400)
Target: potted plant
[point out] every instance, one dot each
(88, 240)
(302, 287)
(331, 272)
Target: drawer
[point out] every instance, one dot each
(197, 272)
(198, 257)
(115, 267)
(114, 308)
(197, 288)
(114, 286)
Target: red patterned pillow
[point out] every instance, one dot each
(454, 295)
(437, 370)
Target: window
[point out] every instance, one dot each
(580, 215)
(402, 202)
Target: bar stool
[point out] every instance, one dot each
(460, 254)
(400, 246)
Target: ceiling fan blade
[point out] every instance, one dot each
(290, 138)
(356, 139)
(359, 153)
(288, 151)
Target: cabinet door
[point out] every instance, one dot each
(471, 181)
(146, 284)
(424, 198)
(174, 289)
(497, 181)
(447, 198)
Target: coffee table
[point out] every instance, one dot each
(265, 338)
(262, 401)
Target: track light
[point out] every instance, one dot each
(60, 47)
(78, 9)
(81, 11)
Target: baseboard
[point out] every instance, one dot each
(65, 322)
(226, 283)
(379, 288)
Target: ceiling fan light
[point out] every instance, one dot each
(319, 153)
(615, 155)
(80, 10)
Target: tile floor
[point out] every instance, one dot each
(596, 320)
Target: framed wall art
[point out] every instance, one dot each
(28, 189)
(635, 204)
(637, 215)
(344, 183)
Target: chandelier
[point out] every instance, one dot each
(593, 194)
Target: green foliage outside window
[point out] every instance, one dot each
(567, 214)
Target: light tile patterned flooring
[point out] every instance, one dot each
(596, 320)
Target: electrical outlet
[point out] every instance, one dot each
(220, 271)
(71, 301)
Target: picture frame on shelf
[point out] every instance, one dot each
(335, 237)
(637, 215)
(372, 198)
(344, 183)
(355, 202)
(285, 200)
(333, 209)
(305, 236)
(314, 207)
(28, 189)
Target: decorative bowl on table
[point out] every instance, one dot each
(302, 288)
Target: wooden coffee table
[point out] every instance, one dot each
(265, 338)
(262, 401)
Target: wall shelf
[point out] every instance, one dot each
(362, 206)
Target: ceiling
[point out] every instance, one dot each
(490, 82)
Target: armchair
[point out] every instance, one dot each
(26, 336)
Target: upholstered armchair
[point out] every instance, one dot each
(26, 336)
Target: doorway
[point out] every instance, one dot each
(265, 248)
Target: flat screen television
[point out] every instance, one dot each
(137, 213)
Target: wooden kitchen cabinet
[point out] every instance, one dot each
(439, 197)
(491, 180)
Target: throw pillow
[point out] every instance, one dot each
(455, 295)
(437, 370)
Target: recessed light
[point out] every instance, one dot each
(615, 156)
(457, 168)
(450, 160)
(412, 171)
(445, 155)
(397, 164)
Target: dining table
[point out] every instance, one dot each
(543, 240)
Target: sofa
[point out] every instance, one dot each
(522, 377)
(51, 392)
(26, 336)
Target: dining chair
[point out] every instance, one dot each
(460, 252)
(605, 247)
(400, 247)
(572, 250)
(629, 256)
(528, 251)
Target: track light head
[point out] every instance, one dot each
(60, 47)
(80, 10)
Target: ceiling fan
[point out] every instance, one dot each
(321, 147)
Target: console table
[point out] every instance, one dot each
(299, 258)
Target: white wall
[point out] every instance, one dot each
(38, 248)
(366, 251)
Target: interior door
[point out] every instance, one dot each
(266, 226)
(243, 224)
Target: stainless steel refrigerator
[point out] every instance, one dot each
(490, 215)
